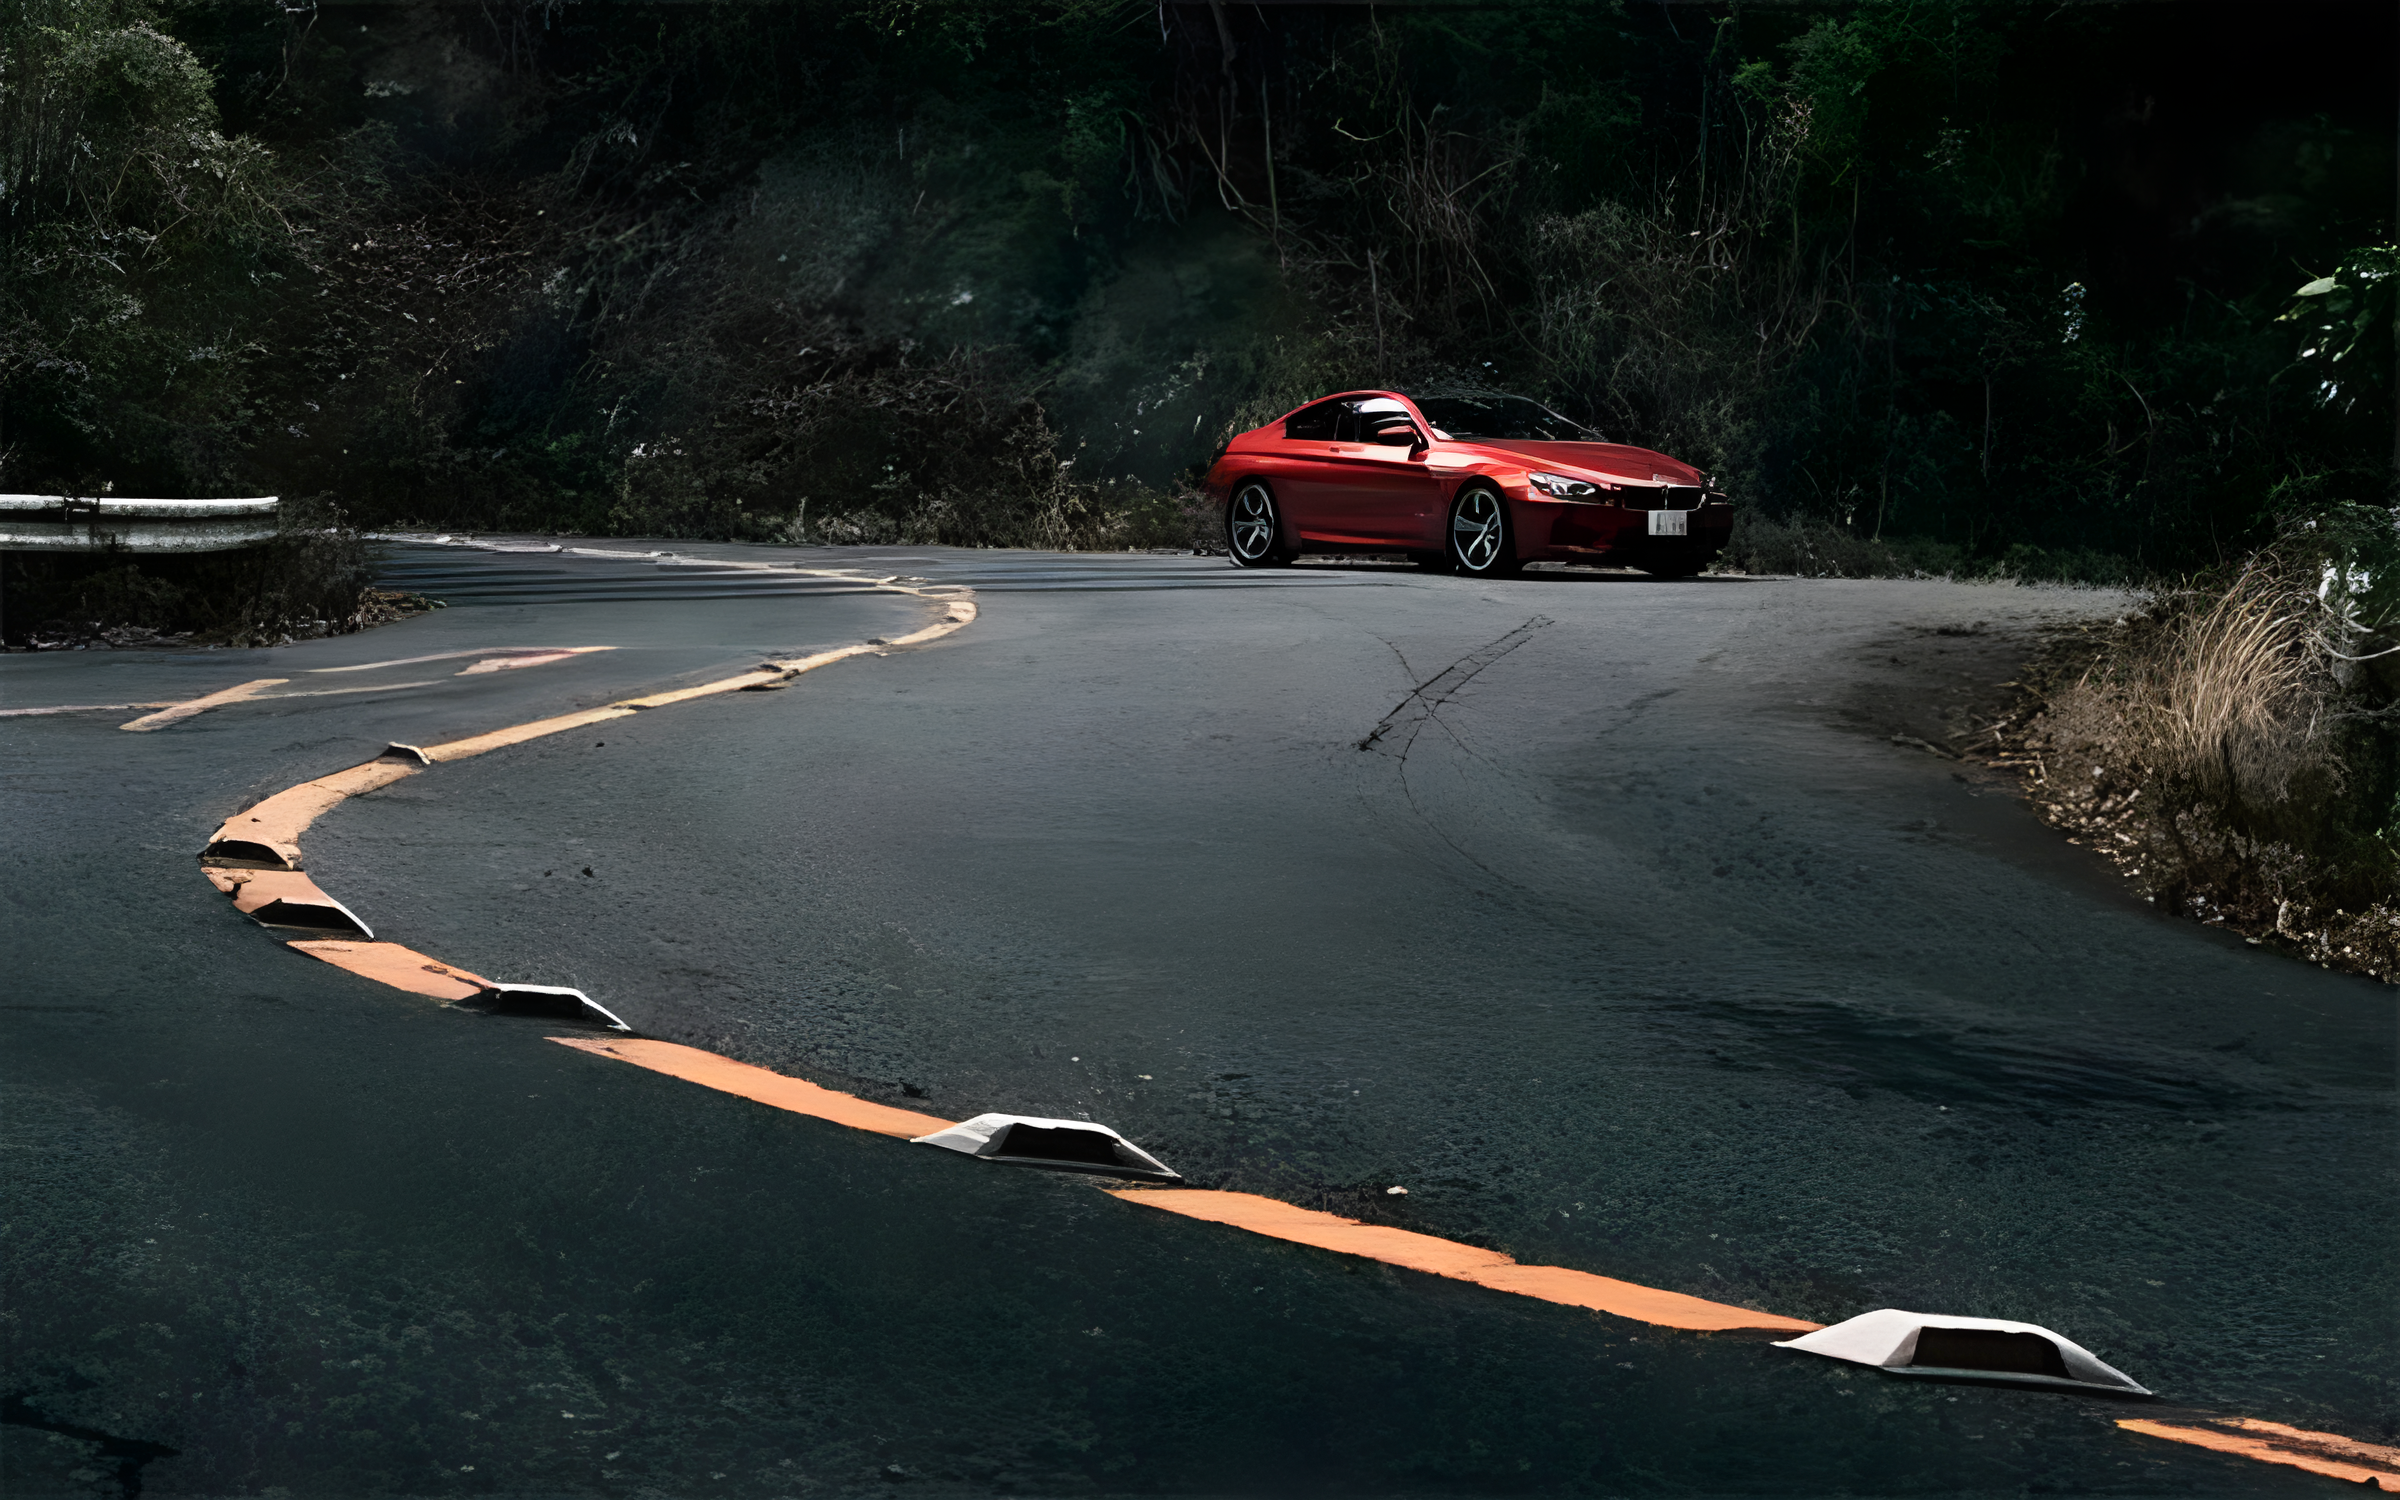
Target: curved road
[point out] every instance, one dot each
(1602, 915)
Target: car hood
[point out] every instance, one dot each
(1616, 460)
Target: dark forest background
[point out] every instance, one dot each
(2015, 286)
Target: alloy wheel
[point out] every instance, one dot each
(1479, 533)
(1250, 529)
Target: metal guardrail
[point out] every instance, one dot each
(66, 523)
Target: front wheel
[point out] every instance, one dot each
(1253, 531)
(1480, 544)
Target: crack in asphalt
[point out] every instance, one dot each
(1442, 686)
(1429, 697)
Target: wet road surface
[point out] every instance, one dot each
(1599, 913)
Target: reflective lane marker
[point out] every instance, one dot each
(2323, 1453)
(1283, 1221)
(1421, 1252)
(772, 1089)
(270, 832)
(264, 840)
(401, 968)
(284, 898)
(2271, 1442)
(166, 716)
(960, 614)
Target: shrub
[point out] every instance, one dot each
(2218, 750)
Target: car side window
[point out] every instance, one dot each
(1362, 418)
(1315, 424)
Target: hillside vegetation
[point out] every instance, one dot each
(1982, 286)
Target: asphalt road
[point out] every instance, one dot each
(1600, 913)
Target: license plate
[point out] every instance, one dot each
(1670, 523)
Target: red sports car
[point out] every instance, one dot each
(1480, 485)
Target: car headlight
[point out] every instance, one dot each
(1560, 487)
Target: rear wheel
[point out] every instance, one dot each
(1480, 543)
(1253, 530)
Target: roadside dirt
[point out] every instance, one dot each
(1954, 690)
(1957, 703)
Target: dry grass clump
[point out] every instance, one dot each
(2207, 747)
(2221, 702)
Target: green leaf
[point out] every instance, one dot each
(2318, 287)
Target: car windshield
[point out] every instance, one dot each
(1500, 417)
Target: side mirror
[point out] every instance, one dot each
(1398, 435)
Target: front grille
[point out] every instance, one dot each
(1666, 497)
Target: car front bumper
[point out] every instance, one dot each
(1580, 531)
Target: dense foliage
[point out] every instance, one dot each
(1996, 286)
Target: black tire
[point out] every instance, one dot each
(1254, 527)
(1481, 543)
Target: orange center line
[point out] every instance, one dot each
(1326, 1231)
(401, 968)
(1283, 1221)
(776, 1090)
(2292, 1446)
(1439, 1257)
